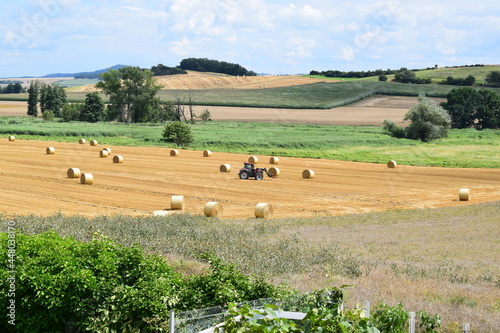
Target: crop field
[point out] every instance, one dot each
(397, 235)
(34, 181)
(318, 95)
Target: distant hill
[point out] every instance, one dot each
(85, 75)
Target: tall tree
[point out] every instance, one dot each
(93, 110)
(472, 108)
(460, 105)
(132, 93)
(33, 92)
(52, 98)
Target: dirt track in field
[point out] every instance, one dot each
(33, 182)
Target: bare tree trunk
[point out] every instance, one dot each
(190, 103)
(180, 108)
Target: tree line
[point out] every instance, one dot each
(354, 74)
(12, 88)
(132, 93)
(466, 107)
(208, 65)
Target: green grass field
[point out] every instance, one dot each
(463, 148)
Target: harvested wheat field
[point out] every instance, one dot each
(195, 80)
(34, 182)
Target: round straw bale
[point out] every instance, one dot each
(87, 178)
(225, 168)
(464, 194)
(274, 171)
(103, 153)
(82, 141)
(12, 138)
(50, 150)
(308, 174)
(264, 210)
(253, 159)
(213, 209)
(73, 173)
(108, 149)
(160, 213)
(93, 142)
(274, 160)
(207, 153)
(177, 202)
(391, 164)
(174, 152)
(117, 159)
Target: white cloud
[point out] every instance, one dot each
(263, 35)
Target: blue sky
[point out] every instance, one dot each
(277, 37)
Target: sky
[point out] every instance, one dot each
(39, 37)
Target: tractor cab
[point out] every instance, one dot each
(249, 166)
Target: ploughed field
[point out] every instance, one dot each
(36, 182)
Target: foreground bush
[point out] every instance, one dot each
(65, 285)
(327, 318)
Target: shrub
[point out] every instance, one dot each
(206, 115)
(394, 130)
(48, 115)
(63, 283)
(66, 285)
(390, 318)
(428, 121)
(178, 133)
(493, 78)
(71, 112)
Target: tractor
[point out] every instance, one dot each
(249, 170)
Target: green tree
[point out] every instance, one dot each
(132, 93)
(382, 78)
(493, 78)
(460, 105)
(33, 93)
(52, 98)
(71, 112)
(471, 108)
(405, 76)
(93, 110)
(429, 121)
(178, 133)
(487, 109)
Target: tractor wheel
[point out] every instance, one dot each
(244, 174)
(259, 176)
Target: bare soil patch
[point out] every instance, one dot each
(34, 182)
(13, 109)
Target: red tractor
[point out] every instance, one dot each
(249, 170)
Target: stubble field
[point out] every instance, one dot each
(34, 182)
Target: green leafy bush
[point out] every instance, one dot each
(66, 285)
(429, 121)
(178, 133)
(48, 115)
